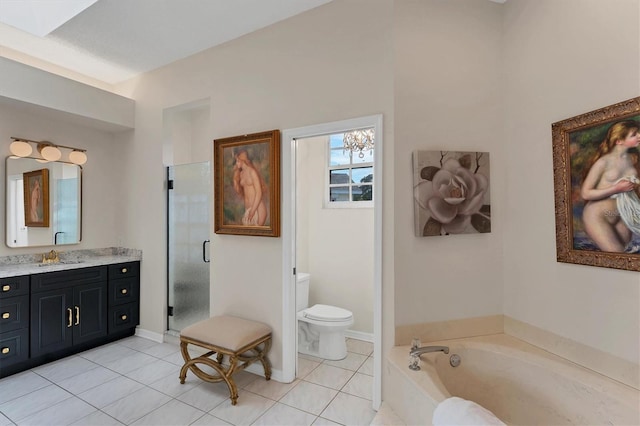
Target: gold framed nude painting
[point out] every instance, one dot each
(247, 184)
(36, 198)
(596, 168)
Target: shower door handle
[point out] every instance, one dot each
(204, 255)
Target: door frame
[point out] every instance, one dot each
(288, 215)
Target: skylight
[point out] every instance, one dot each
(40, 17)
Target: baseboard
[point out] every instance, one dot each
(359, 335)
(156, 337)
(258, 370)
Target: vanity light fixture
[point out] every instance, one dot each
(358, 141)
(48, 151)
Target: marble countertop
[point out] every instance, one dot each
(14, 266)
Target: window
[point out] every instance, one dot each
(350, 172)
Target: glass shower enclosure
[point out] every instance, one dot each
(188, 204)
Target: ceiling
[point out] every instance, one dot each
(114, 40)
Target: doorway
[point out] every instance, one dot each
(290, 139)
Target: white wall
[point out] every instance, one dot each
(448, 96)
(336, 247)
(562, 59)
(102, 184)
(316, 67)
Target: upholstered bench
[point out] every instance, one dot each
(243, 341)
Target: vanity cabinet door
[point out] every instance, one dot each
(67, 308)
(89, 312)
(52, 320)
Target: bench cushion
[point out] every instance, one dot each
(226, 331)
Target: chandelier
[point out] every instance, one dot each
(358, 141)
(48, 151)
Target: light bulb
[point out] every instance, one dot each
(20, 148)
(50, 152)
(78, 157)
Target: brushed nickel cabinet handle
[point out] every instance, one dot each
(123, 291)
(6, 287)
(5, 351)
(124, 270)
(70, 312)
(5, 315)
(123, 318)
(77, 315)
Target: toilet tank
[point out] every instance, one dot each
(302, 290)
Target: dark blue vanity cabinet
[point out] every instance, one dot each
(55, 314)
(14, 321)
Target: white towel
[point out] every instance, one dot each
(456, 411)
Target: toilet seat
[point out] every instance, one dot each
(327, 313)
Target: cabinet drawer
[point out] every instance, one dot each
(123, 291)
(15, 286)
(123, 270)
(64, 279)
(123, 317)
(14, 347)
(14, 313)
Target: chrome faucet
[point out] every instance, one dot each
(427, 349)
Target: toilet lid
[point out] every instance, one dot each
(327, 313)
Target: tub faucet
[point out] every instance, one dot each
(427, 349)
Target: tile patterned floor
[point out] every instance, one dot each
(134, 381)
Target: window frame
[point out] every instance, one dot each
(328, 185)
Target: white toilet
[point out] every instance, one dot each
(321, 327)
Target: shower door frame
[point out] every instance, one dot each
(288, 233)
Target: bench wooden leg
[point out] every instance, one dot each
(237, 362)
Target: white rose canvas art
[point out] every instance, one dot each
(451, 193)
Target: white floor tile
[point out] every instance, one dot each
(349, 410)
(63, 369)
(136, 342)
(309, 397)
(359, 347)
(136, 381)
(130, 363)
(386, 416)
(247, 410)
(175, 358)
(131, 408)
(352, 361)
(325, 422)
(103, 395)
(97, 418)
(209, 420)
(331, 377)
(4, 421)
(270, 388)
(20, 384)
(107, 354)
(360, 385)
(306, 366)
(172, 413)
(161, 350)
(367, 367)
(245, 378)
(155, 371)
(87, 380)
(171, 385)
(19, 408)
(206, 396)
(283, 415)
(66, 412)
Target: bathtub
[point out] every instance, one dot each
(518, 382)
